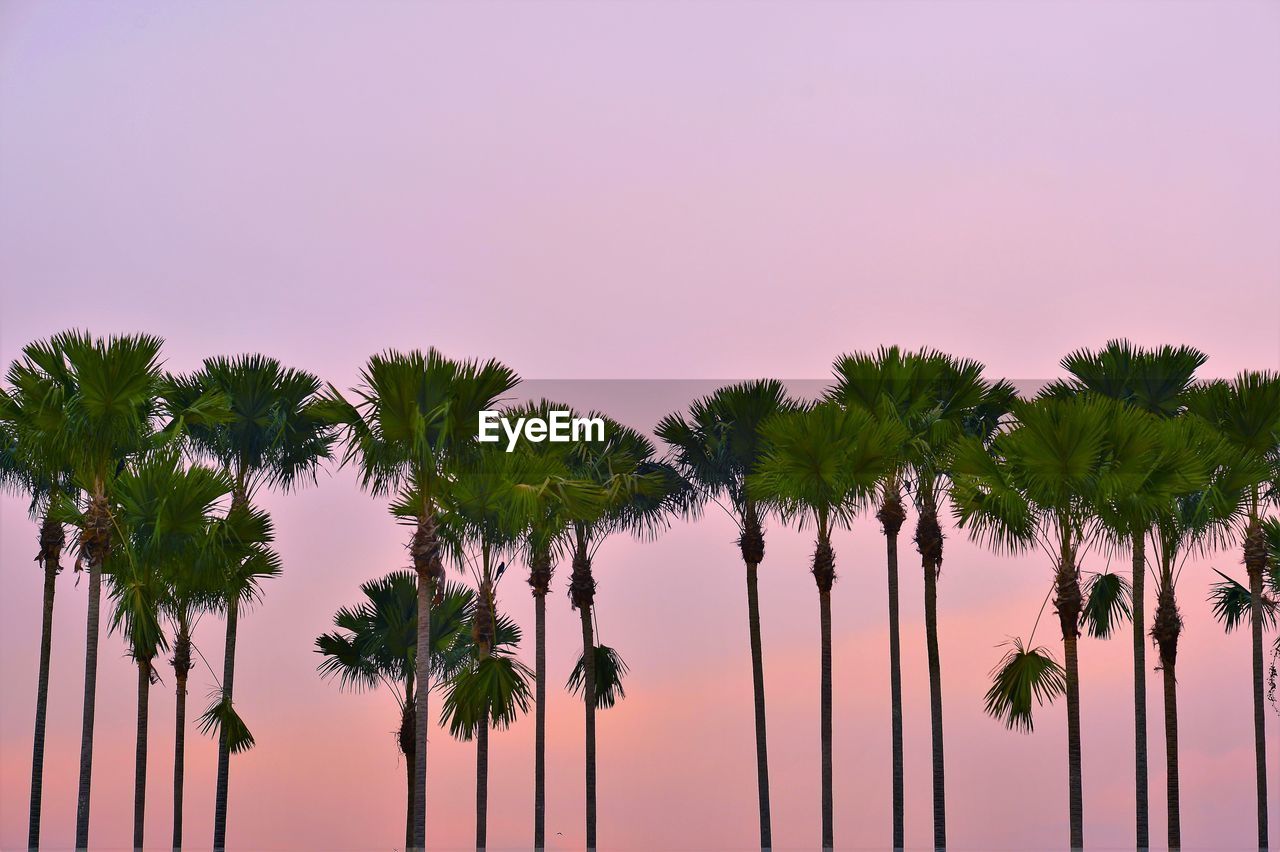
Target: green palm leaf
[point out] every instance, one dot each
(1023, 678)
(610, 669)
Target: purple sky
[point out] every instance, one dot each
(641, 190)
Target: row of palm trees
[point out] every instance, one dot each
(157, 474)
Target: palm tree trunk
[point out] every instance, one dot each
(179, 755)
(1171, 752)
(929, 541)
(140, 755)
(751, 543)
(589, 702)
(757, 684)
(408, 795)
(540, 721)
(935, 706)
(1140, 690)
(1259, 705)
(891, 516)
(1076, 794)
(224, 738)
(422, 675)
(482, 782)
(582, 589)
(90, 702)
(425, 548)
(824, 574)
(828, 810)
(52, 537)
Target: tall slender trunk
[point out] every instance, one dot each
(1165, 629)
(757, 684)
(1259, 705)
(140, 755)
(482, 782)
(52, 538)
(179, 756)
(406, 738)
(1074, 782)
(95, 540)
(224, 737)
(929, 543)
(752, 546)
(408, 804)
(824, 575)
(422, 673)
(1140, 690)
(582, 589)
(540, 721)
(181, 668)
(891, 516)
(425, 549)
(1069, 603)
(1171, 753)
(589, 703)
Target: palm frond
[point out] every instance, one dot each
(1107, 605)
(1024, 678)
(222, 719)
(610, 669)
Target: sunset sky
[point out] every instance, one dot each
(684, 193)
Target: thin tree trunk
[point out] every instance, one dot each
(1140, 690)
(140, 755)
(1073, 742)
(1259, 705)
(90, 703)
(540, 721)
(589, 703)
(757, 683)
(425, 548)
(482, 782)
(828, 810)
(422, 675)
(895, 685)
(408, 805)
(929, 543)
(224, 739)
(179, 755)
(935, 706)
(1171, 752)
(51, 534)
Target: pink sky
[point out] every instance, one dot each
(641, 190)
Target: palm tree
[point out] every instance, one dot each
(415, 413)
(1197, 517)
(640, 493)
(490, 690)
(162, 518)
(31, 464)
(275, 437)
(1039, 484)
(375, 644)
(887, 383)
(546, 512)
(937, 399)
(716, 448)
(195, 588)
(820, 465)
(112, 394)
(1246, 413)
(1156, 381)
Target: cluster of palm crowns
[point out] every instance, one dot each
(157, 476)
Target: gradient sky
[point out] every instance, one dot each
(641, 191)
